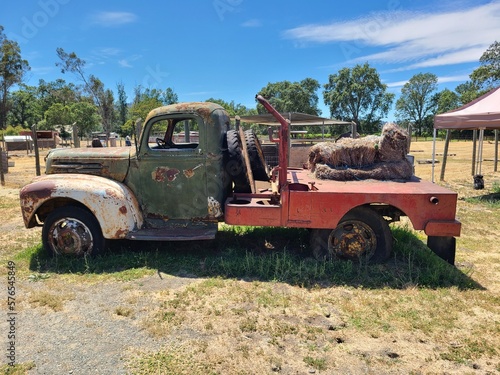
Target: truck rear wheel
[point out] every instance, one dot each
(362, 234)
(256, 155)
(72, 230)
(235, 165)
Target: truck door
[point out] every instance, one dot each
(170, 175)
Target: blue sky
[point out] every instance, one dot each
(230, 49)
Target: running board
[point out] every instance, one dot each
(174, 234)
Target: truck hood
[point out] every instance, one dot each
(110, 162)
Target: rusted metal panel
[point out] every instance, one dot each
(443, 228)
(112, 203)
(252, 211)
(428, 206)
(112, 162)
(421, 201)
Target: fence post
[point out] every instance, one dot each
(445, 154)
(2, 177)
(76, 140)
(37, 154)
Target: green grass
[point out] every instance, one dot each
(491, 200)
(244, 253)
(17, 369)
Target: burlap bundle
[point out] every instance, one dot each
(381, 158)
(347, 152)
(393, 143)
(396, 170)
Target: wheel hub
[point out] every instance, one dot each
(352, 240)
(70, 236)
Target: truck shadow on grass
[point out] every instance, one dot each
(264, 254)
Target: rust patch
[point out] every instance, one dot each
(120, 233)
(156, 216)
(190, 172)
(160, 174)
(214, 208)
(123, 210)
(111, 193)
(39, 190)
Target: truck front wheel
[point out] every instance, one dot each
(361, 234)
(72, 230)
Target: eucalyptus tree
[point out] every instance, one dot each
(103, 98)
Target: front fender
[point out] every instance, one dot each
(112, 203)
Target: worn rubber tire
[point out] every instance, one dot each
(235, 165)
(361, 224)
(72, 230)
(370, 230)
(256, 155)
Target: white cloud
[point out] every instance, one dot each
(127, 62)
(113, 19)
(427, 39)
(252, 23)
(445, 79)
(106, 52)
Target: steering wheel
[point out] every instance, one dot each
(161, 143)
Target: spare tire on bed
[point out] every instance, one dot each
(235, 164)
(256, 155)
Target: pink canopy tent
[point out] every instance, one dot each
(480, 114)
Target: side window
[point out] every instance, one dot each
(174, 134)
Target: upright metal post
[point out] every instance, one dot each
(433, 152)
(445, 153)
(37, 154)
(474, 141)
(186, 131)
(480, 152)
(2, 177)
(496, 151)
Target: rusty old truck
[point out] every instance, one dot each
(189, 171)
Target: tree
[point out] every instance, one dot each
(85, 116)
(488, 74)
(122, 103)
(25, 109)
(58, 91)
(288, 96)
(232, 108)
(358, 95)
(12, 70)
(446, 100)
(103, 98)
(169, 96)
(469, 91)
(417, 102)
(149, 99)
(57, 114)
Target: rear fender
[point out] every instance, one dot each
(112, 203)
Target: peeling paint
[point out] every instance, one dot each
(160, 174)
(214, 208)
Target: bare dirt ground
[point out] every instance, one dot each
(179, 324)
